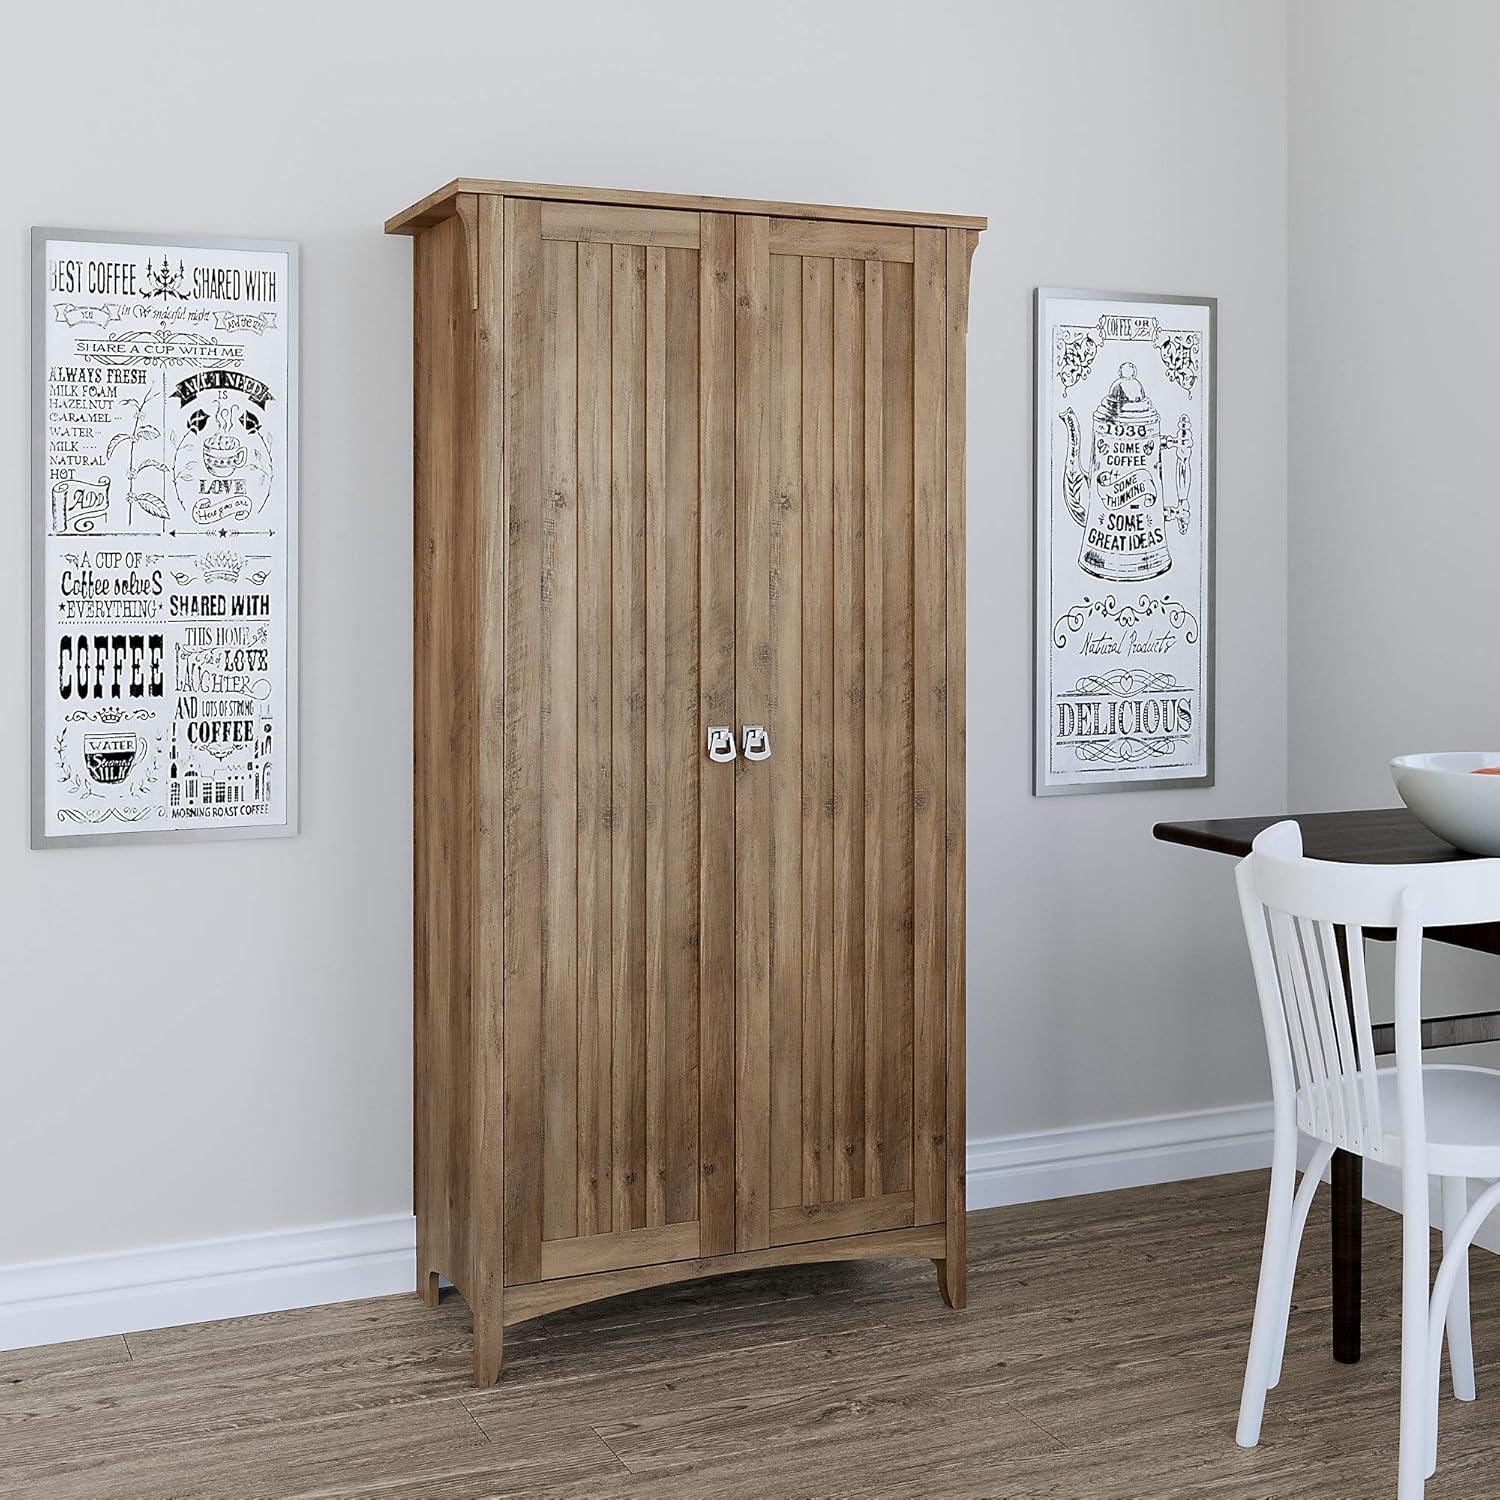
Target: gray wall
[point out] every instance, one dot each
(1393, 327)
(208, 1040)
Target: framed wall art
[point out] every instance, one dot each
(1125, 444)
(164, 519)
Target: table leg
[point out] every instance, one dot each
(1348, 1220)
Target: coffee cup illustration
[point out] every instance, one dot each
(110, 758)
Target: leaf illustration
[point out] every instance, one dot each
(147, 465)
(114, 442)
(259, 576)
(148, 431)
(153, 505)
(183, 578)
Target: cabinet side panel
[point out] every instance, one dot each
(443, 746)
(929, 1167)
(960, 247)
(431, 1233)
(486, 1063)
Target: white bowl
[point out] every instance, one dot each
(1446, 796)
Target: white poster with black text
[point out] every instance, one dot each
(1124, 541)
(164, 597)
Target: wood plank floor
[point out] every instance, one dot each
(1100, 1356)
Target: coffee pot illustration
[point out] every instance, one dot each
(1120, 498)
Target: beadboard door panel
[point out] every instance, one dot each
(618, 831)
(842, 655)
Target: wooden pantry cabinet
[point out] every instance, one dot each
(685, 464)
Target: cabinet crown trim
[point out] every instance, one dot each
(443, 205)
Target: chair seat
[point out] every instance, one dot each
(1463, 1119)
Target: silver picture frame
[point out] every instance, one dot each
(1042, 512)
(41, 838)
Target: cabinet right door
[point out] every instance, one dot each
(840, 654)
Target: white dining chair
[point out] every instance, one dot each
(1305, 920)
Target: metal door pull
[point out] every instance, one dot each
(720, 742)
(756, 742)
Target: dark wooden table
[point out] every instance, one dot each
(1379, 836)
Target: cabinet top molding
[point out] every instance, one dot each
(443, 205)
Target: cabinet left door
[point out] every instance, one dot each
(618, 831)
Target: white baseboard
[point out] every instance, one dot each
(54, 1302)
(1118, 1154)
(1165, 1148)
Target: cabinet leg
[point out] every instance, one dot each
(953, 1281)
(489, 1347)
(427, 1287)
